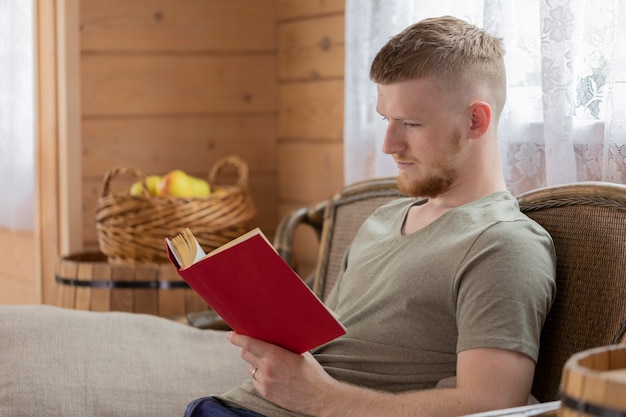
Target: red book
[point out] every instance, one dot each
(255, 291)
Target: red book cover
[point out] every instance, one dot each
(258, 294)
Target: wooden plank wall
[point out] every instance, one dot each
(310, 118)
(170, 84)
(178, 84)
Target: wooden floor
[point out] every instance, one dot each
(17, 268)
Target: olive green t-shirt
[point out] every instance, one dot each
(480, 276)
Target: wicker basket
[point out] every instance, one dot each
(132, 229)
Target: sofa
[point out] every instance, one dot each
(58, 362)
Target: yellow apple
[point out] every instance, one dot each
(152, 181)
(136, 189)
(201, 187)
(176, 183)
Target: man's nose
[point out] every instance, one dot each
(392, 142)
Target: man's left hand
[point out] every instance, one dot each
(293, 381)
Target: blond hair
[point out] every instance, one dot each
(459, 54)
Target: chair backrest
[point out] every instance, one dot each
(587, 222)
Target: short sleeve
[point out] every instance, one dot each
(506, 288)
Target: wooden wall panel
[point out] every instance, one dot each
(311, 49)
(155, 145)
(178, 26)
(58, 180)
(311, 110)
(310, 172)
(310, 116)
(120, 85)
(290, 9)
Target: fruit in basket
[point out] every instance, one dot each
(152, 182)
(136, 189)
(177, 183)
(201, 187)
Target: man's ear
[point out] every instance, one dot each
(480, 112)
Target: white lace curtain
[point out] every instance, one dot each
(17, 129)
(565, 117)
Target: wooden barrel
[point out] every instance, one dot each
(87, 281)
(594, 383)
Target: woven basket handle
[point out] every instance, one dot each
(235, 161)
(121, 170)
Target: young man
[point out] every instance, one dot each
(457, 284)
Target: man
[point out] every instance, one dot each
(458, 284)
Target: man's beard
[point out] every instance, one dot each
(441, 177)
(431, 186)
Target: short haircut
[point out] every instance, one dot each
(458, 53)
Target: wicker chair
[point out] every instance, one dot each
(336, 221)
(587, 222)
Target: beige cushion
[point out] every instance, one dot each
(65, 363)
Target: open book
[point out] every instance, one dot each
(255, 291)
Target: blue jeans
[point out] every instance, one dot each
(212, 407)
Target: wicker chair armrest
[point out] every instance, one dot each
(285, 233)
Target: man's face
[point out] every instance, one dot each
(423, 135)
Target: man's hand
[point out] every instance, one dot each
(293, 381)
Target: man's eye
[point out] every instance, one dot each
(407, 124)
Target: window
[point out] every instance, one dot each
(17, 122)
(565, 117)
